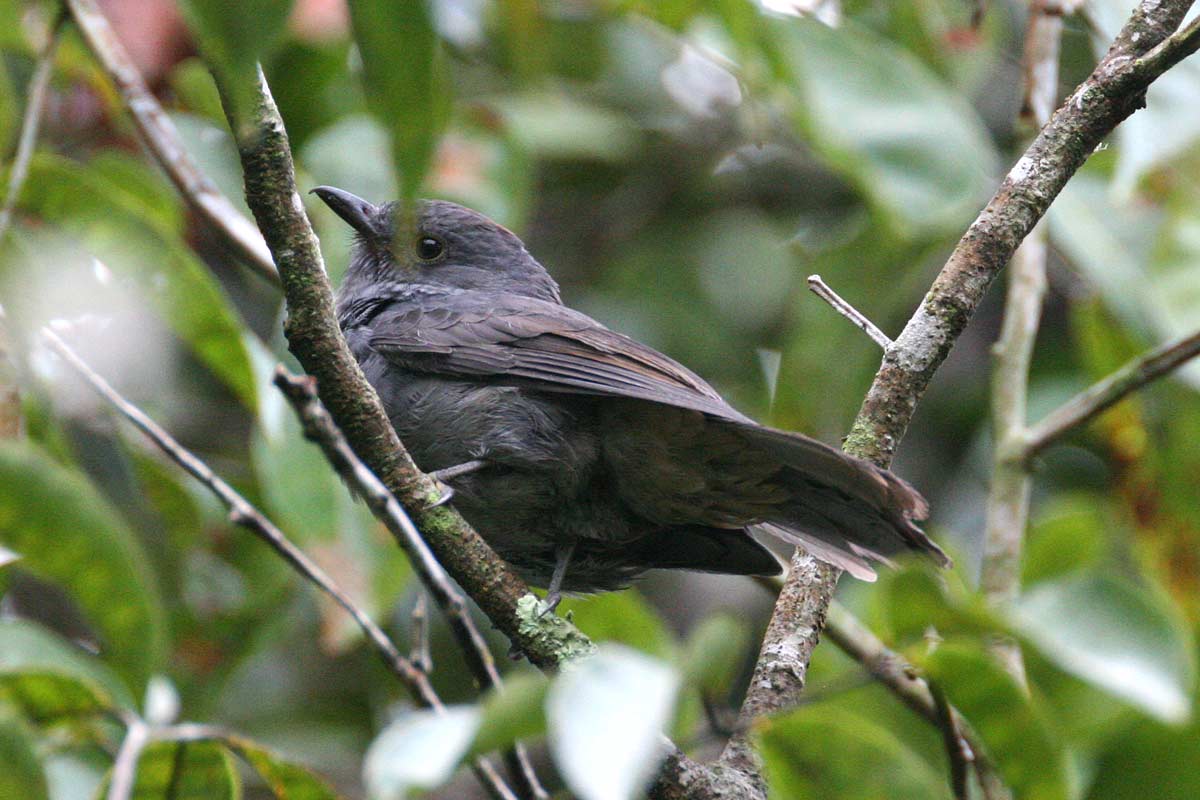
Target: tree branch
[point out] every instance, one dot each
(319, 428)
(1106, 393)
(1008, 494)
(39, 85)
(160, 136)
(1113, 91)
(317, 342)
(242, 513)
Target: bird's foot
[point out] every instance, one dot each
(444, 476)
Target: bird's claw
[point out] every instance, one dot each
(447, 496)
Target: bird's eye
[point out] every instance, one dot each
(429, 248)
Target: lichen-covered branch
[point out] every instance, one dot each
(1106, 393)
(1114, 90)
(316, 340)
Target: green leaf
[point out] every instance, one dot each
(145, 251)
(1149, 760)
(606, 716)
(418, 750)
(22, 776)
(404, 79)
(1027, 753)
(1141, 258)
(830, 753)
(513, 714)
(68, 533)
(714, 650)
(879, 116)
(185, 771)
(287, 780)
(51, 679)
(234, 37)
(1124, 639)
(623, 617)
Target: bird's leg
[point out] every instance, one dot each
(443, 476)
(562, 558)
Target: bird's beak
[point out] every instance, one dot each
(358, 213)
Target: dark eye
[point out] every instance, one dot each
(429, 248)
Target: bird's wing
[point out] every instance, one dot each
(535, 343)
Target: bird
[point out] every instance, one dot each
(582, 456)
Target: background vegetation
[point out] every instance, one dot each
(680, 167)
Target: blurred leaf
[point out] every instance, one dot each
(27, 646)
(560, 126)
(112, 221)
(1066, 536)
(713, 652)
(193, 84)
(830, 753)
(911, 600)
(21, 776)
(1149, 760)
(517, 712)
(8, 557)
(1124, 639)
(10, 111)
(1167, 125)
(72, 775)
(67, 533)
(879, 116)
(1140, 258)
(418, 750)
(1026, 751)
(606, 715)
(288, 781)
(185, 771)
(405, 82)
(623, 617)
(234, 37)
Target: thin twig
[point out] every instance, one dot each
(958, 752)
(1008, 493)
(822, 290)
(1106, 393)
(893, 671)
(319, 427)
(161, 137)
(124, 771)
(39, 86)
(242, 513)
(418, 649)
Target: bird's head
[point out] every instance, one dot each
(436, 243)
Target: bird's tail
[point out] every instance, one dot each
(842, 509)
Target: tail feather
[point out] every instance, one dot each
(843, 510)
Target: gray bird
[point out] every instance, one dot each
(583, 457)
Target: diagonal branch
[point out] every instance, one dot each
(244, 514)
(39, 86)
(317, 342)
(320, 428)
(1113, 91)
(1108, 392)
(162, 139)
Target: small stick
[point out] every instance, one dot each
(822, 290)
(1087, 404)
(958, 752)
(39, 86)
(419, 653)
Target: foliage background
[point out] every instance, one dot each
(680, 167)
